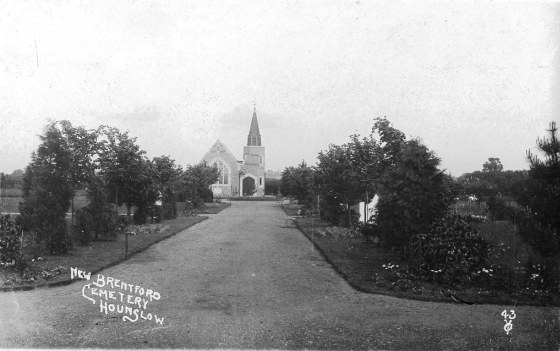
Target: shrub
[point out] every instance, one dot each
(58, 240)
(11, 253)
(84, 226)
(340, 232)
(368, 230)
(155, 212)
(170, 210)
(452, 252)
(499, 210)
(399, 278)
(140, 215)
(101, 221)
(122, 223)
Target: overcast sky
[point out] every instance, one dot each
(471, 79)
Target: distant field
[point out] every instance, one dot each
(11, 204)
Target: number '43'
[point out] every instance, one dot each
(511, 315)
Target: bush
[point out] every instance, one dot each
(452, 252)
(11, 253)
(58, 240)
(500, 211)
(400, 278)
(84, 226)
(101, 221)
(170, 210)
(155, 212)
(122, 223)
(140, 215)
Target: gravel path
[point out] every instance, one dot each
(240, 280)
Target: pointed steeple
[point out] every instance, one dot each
(254, 137)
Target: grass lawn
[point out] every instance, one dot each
(361, 263)
(96, 256)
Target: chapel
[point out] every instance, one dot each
(239, 178)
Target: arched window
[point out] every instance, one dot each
(223, 177)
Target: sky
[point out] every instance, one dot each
(472, 80)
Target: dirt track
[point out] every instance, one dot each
(240, 280)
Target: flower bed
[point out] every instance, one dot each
(372, 269)
(47, 270)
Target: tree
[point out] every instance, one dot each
(494, 186)
(366, 160)
(197, 181)
(338, 183)
(166, 172)
(48, 189)
(413, 194)
(541, 227)
(122, 165)
(83, 147)
(492, 165)
(298, 182)
(98, 216)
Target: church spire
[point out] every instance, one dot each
(254, 137)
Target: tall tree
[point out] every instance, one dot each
(414, 193)
(123, 166)
(338, 183)
(541, 228)
(48, 189)
(83, 146)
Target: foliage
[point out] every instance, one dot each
(541, 227)
(196, 181)
(155, 212)
(492, 165)
(13, 180)
(84, 226)
(413, 191)
(413, 194)
(399, 278)
(98, 218)
(122, 223)
(83, 147)
(124, 168)
(298, 182)
(495, 187)
(336, 177)
(165, 174)
(169, 204)
(47, 190)
(451, 252)
(11, 253)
